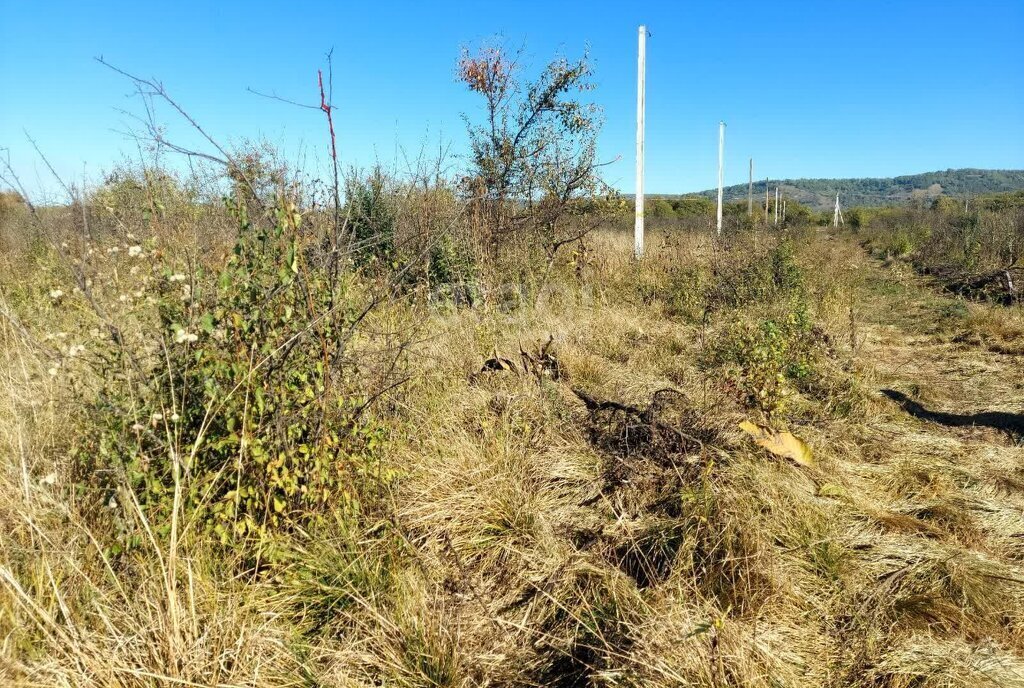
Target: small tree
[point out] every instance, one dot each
(534, 153)
(371, 216)
(660, 208)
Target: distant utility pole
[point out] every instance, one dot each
(641, 96)
(776, 205)
(766, 200)
(837, 216)
(784, 202)
(721, 176)
(750, 191)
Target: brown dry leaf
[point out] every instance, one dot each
(784, 444)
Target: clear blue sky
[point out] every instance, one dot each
(810, 89)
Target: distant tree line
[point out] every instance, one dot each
(878, 191)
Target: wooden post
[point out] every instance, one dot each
(835, 213)
(641, 94)
(750, 191)
(721, 176)
(776, 205)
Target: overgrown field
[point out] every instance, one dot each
(973, 247)
(244, 449)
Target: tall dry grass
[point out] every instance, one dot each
(518, 537)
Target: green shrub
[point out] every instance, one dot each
(858, 218)
(659, 208)
(371, 216)
(767, 360)
(696, 206)
(241, 410)
(451, 263)
(899, 245)
(743, 277)
(685, 292)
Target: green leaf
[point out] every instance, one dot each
(293, 257)
(206, 323)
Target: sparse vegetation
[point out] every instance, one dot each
(974, 250)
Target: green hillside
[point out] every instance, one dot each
(819, 193)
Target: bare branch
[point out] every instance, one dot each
(274, 96)
(149, 88)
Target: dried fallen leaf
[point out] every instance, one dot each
(783, 444)
(833, 491)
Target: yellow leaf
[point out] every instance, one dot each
(783, 444)
(832, 490)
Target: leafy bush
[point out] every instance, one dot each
(371, 214)
(242, 409)
(685, 292)
(451, 268)
(694, 205)
(744, 277)
(899, 244)
(766, 360)
(534, 152)
(954, 240)
(659, 208)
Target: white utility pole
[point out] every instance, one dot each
(776, 205)
(641, 96)
(837, 216)
(750, 191)
(721, 173)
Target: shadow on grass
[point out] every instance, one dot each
(1012, 423)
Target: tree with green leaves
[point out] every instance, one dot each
(534, 150)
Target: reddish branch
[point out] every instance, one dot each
(326, 107)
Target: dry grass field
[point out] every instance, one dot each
(541, 487)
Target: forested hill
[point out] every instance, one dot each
(820, 193)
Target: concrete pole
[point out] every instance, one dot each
(641, 96)
(721, 175)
